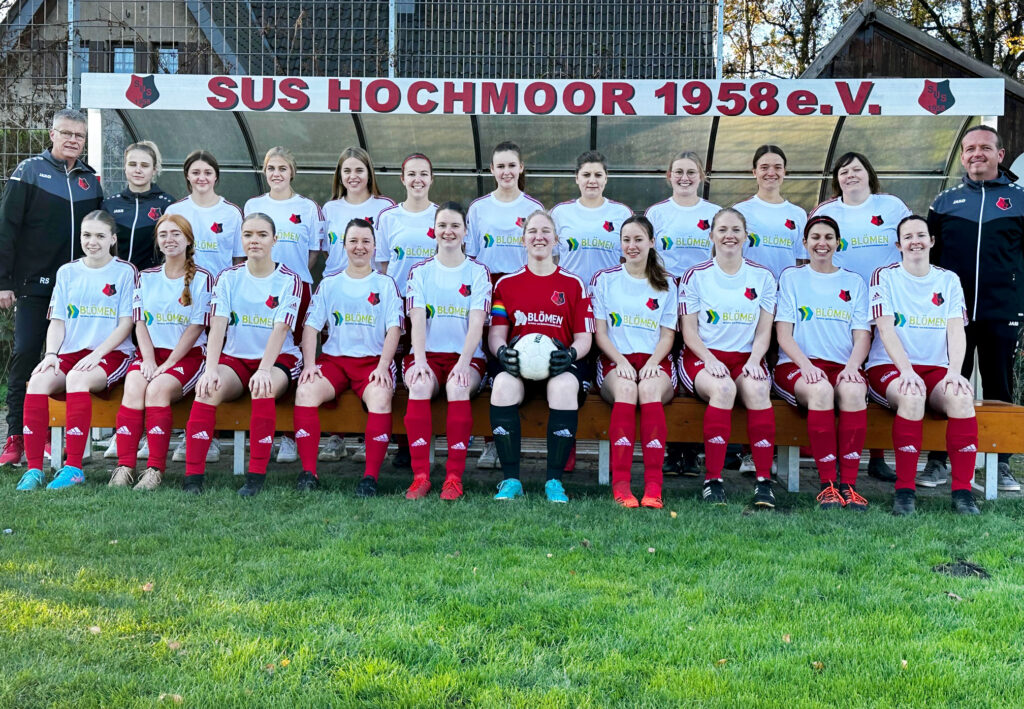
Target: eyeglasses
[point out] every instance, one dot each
(68, 135)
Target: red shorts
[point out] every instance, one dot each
(115, 364)
(637, 361)
(245, 368)
(187, 371)
(881, 376)
(350, 372)
(442, 363)
(689, 365)
(786, 374)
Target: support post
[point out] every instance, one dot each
(789, 460)
(238, 457)
(604, 450)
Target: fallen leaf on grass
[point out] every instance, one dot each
(454, 555)
(650, 550)
(113, 541)
(270, 668)
(819, 666)
(673, 514)
(787, 638)
(721, 662)
(550, 555)
(474, 569)
(8, 531)
(572, 573)
(903, 664)
(147, 587)
(176, 698)
(586, 543)
(285, 662)
(173, 645)
(94, 629)
(953, 596)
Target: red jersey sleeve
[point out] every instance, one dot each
(499, 313)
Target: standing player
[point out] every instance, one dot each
(915, 361)
(774, 225)
(539, 298)
(448, 297)
(727, 305)
(587, 226)
(251, 346)
(867, 219)
(636, 315)
(682, 233)
(88, 347)
(139, 206)
(824, 335)
(362, 311)
(172, 310)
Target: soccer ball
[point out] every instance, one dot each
(535, 355)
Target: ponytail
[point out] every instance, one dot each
(655, 271)
(190, 251)
(190, 273)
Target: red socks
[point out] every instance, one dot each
(199, 435)
(717, 427)
(621, 433)
(378, 433)
(78, 418)
(653, 431)
(821, 429)
(129, 431)
(962, 446)
(307, 436)
(261, 434)
(761, 431)
(853, 427)
(906, 443)
(460, 426)
(158, 437)
(35, 428)
(418, 427)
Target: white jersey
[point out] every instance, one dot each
(588, 237)
(300, 229)
(727, 307)
(775, 233)
(633, 310)
(404, 239)
(90, 301)
(921, 307)
(824, 308)
(494, 231)
(337, 214)
(158, 304)
(253, 306)
(357, 312)
(682, 234)
(217, 231)
(867, 232)
(448, 295)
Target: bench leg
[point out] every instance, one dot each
(604, 450)
(991, 476)
(56, 444)
(789, 461)
(238, 466)
(433, 442)
(90, 444)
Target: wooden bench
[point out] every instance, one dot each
(1000, 426)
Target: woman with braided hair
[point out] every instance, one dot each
(172, 306)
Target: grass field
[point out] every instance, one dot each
(119, 598)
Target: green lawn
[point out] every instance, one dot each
(327, 600)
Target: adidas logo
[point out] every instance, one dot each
(201, 435)
(382, 438)
(621, 442)
(654, 444)
(26, 431)
(301, 433)
(418, 442)
(500, 431)
(763, 443)
(707, 491)
(75, 431)
(908, 449)
(827, 459)
(156, 431)
(852, 455)
(969, 449)
(267, 439)
(460, 446)
(179, 370)
(124, 430)
(717, 440)
(564, 433)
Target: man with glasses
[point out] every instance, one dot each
(41, 212)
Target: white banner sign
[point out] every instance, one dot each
(526, 97)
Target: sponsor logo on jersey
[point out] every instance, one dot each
(142, 90)
(615, 319)
(217, 227)
(91, 311)
(753, 239)
(703, 224)
(652, 303)
(233, 318)
(633, 321)
(164, 318)
(1003, 203)
(353, 318)
(332, 237)
(147, 317)
(201, 436)
(520, 221)
(937, 299)
(373, 298)
(83, 183)
(563, 433)
(295, 219)
(430, 311)
(750, 294)
(608, 226)
(843, 244)
(805, 313)
(522, 319)
(430, 233)
(790, 224)
(899, 319)
(465, 290)
(736, 317)
(109, 289)
(877, 220)
(399, 253)
(666, 243)
(273, 301)
(558, 297)
(844, 295)
(713, 317)
(654, 444)
(573, 243)
(936, 97)
(488, 241)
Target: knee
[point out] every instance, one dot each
(723, 392)
(820, 396)
(455, 392)
(563, 388)
(911, 406)
(650, 390)
(377, 399)
(852, 397)
(960, 405)
(505, 390)
(306, 395)
(75, 383)
(421, 390)
(158, 394)
(626, 392)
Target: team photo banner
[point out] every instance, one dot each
(565, 97)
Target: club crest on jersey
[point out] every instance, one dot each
(790, 224)
(615, 319)
(753, 239)
(844, 295)
(936, 97)
(937, 299)
(273, 301)
(109, 289)
(805, 313)
(465, 290)
(703, 224)
(233, 318)
(652, 303)
(430, 233)
(488, 241)
(217, 228)
(558, 298)
(750, 294)
(520, 221)
(83, 183)
(877, 220)
(155, 212)
(295, 219)
(142, 90)
(373, 298)
(713, 317)
(608, 226)
(369, 220)
(572, 243)
(1003, 203)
